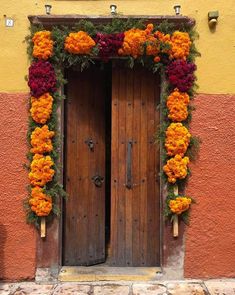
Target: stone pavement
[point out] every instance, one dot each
(187, 287)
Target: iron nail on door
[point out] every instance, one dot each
(98, 180)
(90, 144)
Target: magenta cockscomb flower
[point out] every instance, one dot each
(180, 74)
(108, 44)
(42, 78)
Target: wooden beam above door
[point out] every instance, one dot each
(70, 19)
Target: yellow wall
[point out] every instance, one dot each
(216, 67)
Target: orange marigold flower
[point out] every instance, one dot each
(164, 40)
(152, 44)
(41, 108)
(180, 204)
(178, 112)
(157, 58)
(180, 45)
(41, 140)
(43, 45)
(135, 41)
(177, 96)
(40, 203)
(79, 43)
(177, 139)
(176, 168)
(149, 28)
(177, 103)
(41, 171)
(152, 47)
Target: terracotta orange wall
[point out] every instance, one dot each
(17, 239)
(210, 238)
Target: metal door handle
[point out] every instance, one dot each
(129, 165)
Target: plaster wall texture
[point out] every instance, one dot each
(210, 238)
(17, 239)
(217, 48)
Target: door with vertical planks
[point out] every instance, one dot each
(84, 212)
(135, 196)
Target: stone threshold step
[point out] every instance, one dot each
(108, 273)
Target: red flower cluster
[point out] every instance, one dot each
(42, 78)
(109, 44)
(181, 74)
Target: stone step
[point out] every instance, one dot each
(107, 273)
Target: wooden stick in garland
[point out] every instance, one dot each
(43, 227)
(176, 219)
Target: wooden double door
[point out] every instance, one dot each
(112, 167)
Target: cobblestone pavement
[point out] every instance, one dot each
(194, 287)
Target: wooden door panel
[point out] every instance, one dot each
(136, 175)
(135, 211)
(84, 220)
(114, 163)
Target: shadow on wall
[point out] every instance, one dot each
(3, 236)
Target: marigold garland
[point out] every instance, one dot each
(79, 43)
(43, 45)
(41, 108)
(176, 168)
(41, 140)
(40, 170)
(177, 139)
(180, 205)
(169, 50)
(39, 202)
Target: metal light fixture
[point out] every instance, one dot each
(177, 9)
(212, 18)
(113, 9)
(48, 8)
